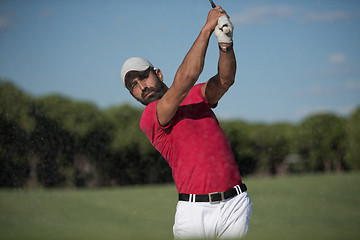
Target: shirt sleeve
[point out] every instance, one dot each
(149, 123)
(198, 93)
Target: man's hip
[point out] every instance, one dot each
(229, 218)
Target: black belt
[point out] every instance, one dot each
(213, 197)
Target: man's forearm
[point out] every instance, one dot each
(227, 66)
(193, 63)
(185, 78)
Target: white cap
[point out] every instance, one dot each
(134, 64)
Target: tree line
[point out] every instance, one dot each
(55, 141)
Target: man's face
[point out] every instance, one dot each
(146, 86)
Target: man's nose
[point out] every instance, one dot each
(142, 85)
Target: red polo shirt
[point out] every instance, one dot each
(194, 145)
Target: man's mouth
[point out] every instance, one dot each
(147, 93)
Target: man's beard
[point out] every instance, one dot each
(151, 94)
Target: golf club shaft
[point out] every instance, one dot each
(212, 3)
(225, 29)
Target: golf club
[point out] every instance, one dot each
(225, 29)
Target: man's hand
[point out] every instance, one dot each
(220, 34)
(213, 16)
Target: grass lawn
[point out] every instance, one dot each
(306, 207)
(292, 207)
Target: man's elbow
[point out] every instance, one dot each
(227, 83)
(232, 81)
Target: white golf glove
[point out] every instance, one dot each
(221, 36)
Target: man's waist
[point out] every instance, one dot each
(214, 197)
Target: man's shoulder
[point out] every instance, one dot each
(197, 87)
(148, 115)
(150, 106)
(195, 94)
(196, 90)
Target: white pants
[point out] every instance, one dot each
(227, 219)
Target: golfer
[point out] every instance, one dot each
(180, 124)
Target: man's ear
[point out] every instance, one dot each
(159, 74)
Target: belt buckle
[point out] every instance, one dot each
(213, 193)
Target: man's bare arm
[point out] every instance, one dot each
(188, 72)
(218, 85)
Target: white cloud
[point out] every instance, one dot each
(337, 58)
(268, 14)
(352, 85)
(337, 65)
(263, 14)
(319, 90)
(325, 16)
(316, 90)
(305, 111)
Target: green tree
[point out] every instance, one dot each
(16, 125)
(126, 120)
(272, 143)
(90, 136)
(47, 141)
(14, 166)
(321, 142)
(134, 159)
(238, 134)
(14, 105)
(352, 157)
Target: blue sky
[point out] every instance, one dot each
(294, 58)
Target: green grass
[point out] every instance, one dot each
(306, 207)
(294, 207)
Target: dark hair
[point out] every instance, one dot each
(137, 74)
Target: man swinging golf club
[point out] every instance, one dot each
(179, 122)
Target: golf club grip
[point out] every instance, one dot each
(225, 29)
